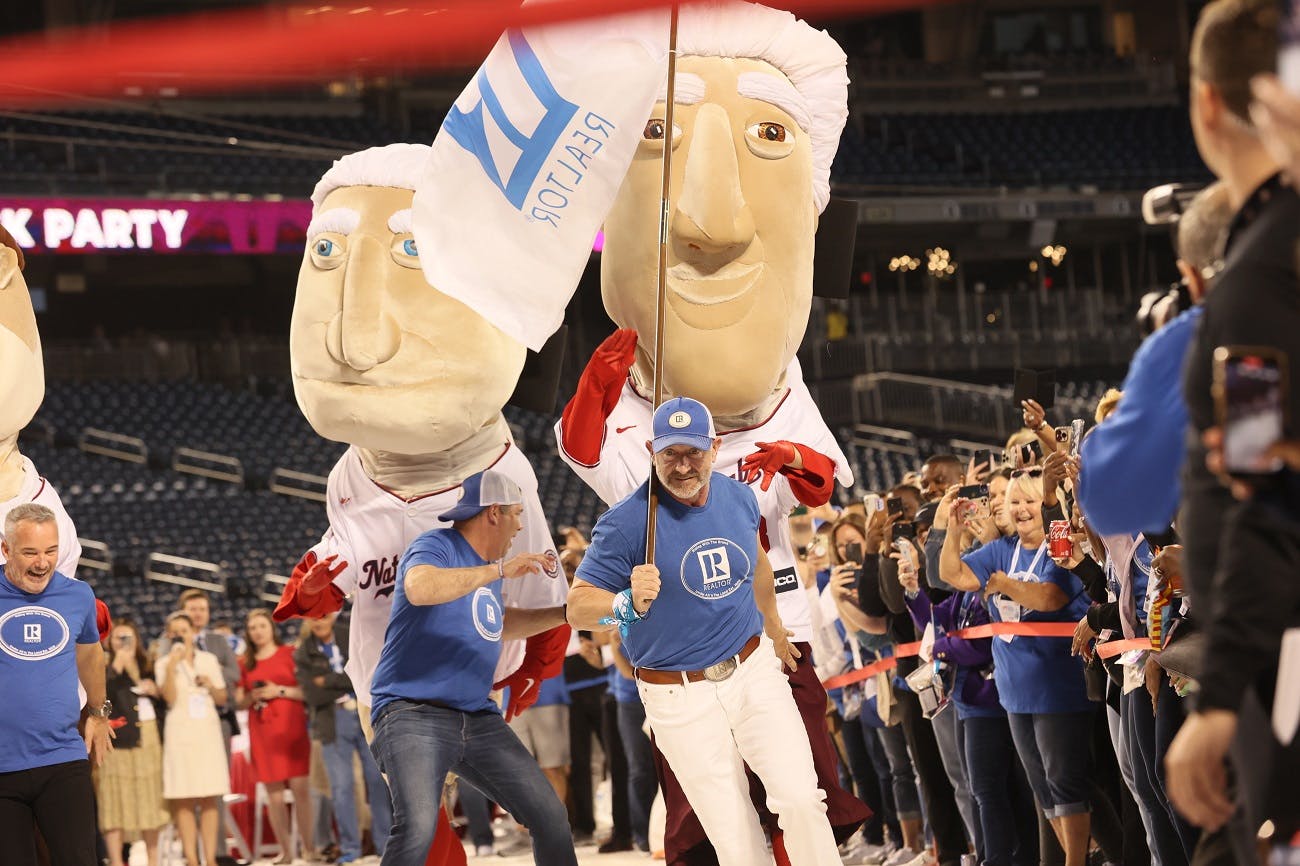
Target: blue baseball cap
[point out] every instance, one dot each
(480, 490)
(683, 421)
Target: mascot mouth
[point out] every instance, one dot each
(704, 299)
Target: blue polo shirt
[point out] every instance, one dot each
(443, 654)
(1034, 674)
(706, 556)
(39, 635)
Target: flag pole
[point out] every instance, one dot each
(662, 286)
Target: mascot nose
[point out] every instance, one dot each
(712, 215)
(362, 335)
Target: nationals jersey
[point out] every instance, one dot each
(371, 527)
(625, 464)
(36, 489)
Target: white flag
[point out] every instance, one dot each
(528, 162)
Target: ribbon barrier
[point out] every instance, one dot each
(1112, 648)
(907, 650)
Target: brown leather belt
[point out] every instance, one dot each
(713, 673)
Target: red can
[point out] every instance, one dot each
(1059, 543)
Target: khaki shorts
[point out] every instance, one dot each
(544, 731)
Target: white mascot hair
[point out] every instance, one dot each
(810, 58)
(394, 165)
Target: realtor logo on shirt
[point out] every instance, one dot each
(32, 633)
(714, 568)
(487, 614)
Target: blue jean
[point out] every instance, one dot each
(418, 744)
(478, 814)
(902, 775)
(1008, 828)
(337, 756)
(1055, 749)
(641, 781)
(1140, 740)
(862, 748)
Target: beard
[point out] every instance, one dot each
(683, 488)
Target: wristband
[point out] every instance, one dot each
(622, 613)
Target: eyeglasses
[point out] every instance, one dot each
(1035, 472)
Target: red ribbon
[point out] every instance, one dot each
(1112, 648)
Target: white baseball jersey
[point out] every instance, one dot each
(36, 489)
(371, 527)
(625, 464)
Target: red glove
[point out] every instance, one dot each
(543, 659)
(582, 424)
(103, 620)
(310, 591)
(811, 485)
(768, 459)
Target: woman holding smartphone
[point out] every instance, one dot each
(277, 728)
(195, 772)
(128, 786)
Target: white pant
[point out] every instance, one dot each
(709, 731)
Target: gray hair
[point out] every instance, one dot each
(1203, 227)
(28, 512)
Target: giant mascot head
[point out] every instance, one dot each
(380, 358)
(761, 100)
(22, 371)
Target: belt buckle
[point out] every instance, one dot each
(721, 671)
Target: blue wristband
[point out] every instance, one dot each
(623, 612)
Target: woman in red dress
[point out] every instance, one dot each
(277, 728)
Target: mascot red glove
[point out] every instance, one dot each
(543, 659)
(582, 423)
(310, 591)
(811, 482)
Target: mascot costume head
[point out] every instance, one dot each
(381, 360)
(22, 371)
(761, 100)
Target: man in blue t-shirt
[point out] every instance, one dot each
(48, 642)
(694, 622)
(432, 713)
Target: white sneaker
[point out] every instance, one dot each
(865, 854)
(901, 857)
(925, 858)
(483, 851)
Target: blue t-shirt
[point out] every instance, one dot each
(1130, 478)
(552, 691)
(39, 635)
(706, 556)
(440, 653)
(1034, 674)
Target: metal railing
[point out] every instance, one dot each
(291, 482)
(95, 554)
(219, 466)
(922, 403)
(273, 587)
(130, 448)
(182, 571)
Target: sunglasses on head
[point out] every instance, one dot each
(1035, 472)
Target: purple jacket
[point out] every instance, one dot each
(972, 687)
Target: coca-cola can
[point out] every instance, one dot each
(1059, 543)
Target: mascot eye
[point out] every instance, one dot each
(654, 129)
(324, 247)
(408, 247)
(769, 131)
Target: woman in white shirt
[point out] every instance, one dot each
(195, 773)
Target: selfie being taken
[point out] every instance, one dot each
(708, 432)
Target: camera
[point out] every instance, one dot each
(894, 504)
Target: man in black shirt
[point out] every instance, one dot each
(1256, 303)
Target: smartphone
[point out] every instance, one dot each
(1076, 436)
(905, 530)
(977, 493)
(1062, 434)
(1250, 387)
(873, 502)
(853, 552)
(1288, 45)
(992, 458)
(894, 504)
(1025, 455)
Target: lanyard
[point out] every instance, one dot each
(1015, 560)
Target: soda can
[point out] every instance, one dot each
(1059, 544)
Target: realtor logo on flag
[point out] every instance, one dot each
(528, 162)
